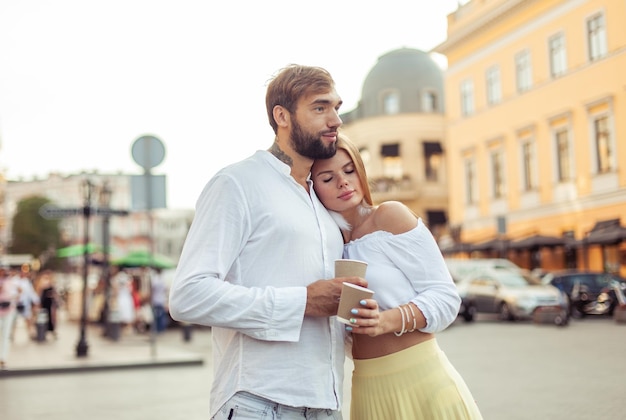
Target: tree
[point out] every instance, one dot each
(33, 234)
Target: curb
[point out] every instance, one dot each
(99, 367)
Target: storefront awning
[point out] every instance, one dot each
(496, 244)
(609, 236)
(540, 241)
(457, 248)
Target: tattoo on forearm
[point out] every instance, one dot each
(282, 156)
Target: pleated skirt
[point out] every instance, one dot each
(415, 383)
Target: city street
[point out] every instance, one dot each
(515, 370)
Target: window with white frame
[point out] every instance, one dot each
(497, 173)
(467, 97)
(470, 180)
(558, 58)
(391, 103)
(602, 144)
(494, 92)
(596, 37)
(528, 164)
(563, 157)
(429, 101)
(523, 71)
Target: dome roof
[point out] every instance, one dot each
(410, 74)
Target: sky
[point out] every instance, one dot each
(81, 81)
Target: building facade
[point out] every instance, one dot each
(162, 230)
(399, 126)
(536, 131)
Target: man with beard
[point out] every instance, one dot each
(258, 262)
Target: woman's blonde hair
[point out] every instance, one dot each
(344, 143)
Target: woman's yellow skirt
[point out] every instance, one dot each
(415, 383)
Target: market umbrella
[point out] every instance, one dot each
(78, 250)
(143, 259)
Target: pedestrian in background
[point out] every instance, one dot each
(49, 301)
(123, 299)
(9, 296)
(158, 299)
(29, 301)
(252, 262)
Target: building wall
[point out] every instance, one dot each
(410, 131)
(482, 34)
(127, 232)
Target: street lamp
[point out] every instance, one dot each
(104, 203)
(86, 191)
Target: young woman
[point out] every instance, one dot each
(399, 370)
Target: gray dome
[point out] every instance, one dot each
(409, 73)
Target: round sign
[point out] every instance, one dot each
(148, 151)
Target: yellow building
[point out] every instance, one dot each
(536, 131)
(399, 126)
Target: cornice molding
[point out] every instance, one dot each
(481, 23)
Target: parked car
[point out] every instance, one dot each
(465, 311)
(512, 294)
(589, 292)
(462, 268)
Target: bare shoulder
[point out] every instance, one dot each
(394, 217)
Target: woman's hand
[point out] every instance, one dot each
(367, 319)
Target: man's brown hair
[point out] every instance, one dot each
(292, 83)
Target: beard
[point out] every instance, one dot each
(310, 145)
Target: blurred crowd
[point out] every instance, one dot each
(26, 298)
(135, 299)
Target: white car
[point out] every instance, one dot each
(461, 268)
(510, 293)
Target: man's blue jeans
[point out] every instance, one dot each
(246, 406)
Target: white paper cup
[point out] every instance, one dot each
(351, 295)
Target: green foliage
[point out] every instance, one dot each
(33, 234)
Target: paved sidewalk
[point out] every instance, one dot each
(132, 350)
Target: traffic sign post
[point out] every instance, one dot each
(148, 152)
(109, 212)
(50, 211)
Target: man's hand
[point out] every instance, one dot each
(322, 296)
